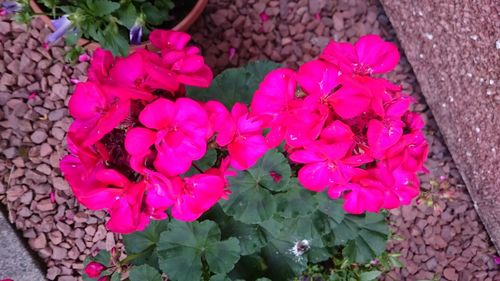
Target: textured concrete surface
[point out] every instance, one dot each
(454, 49)
(16, 262)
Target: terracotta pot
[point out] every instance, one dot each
(183, 25)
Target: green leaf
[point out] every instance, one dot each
(103, 257)
(144, 273)
(297, 201)
(115, 277)
(154, 16)
(251, 236)
(101, 8)
(221, 256)
(251, 200)
(370, 275)
(183, 246)
(145, 243)
(127, 15)
(272, 162)
(282, 264)
(368, 236)
(114, 41)
(234, 84)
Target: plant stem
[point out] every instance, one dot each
(197, 168)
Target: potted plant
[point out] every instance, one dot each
(263, 173)
(111, 24)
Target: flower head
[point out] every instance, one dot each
(10, 7)
(177, 130)
(370, 55)
(94, 269)
(135, 33)
(62, 25)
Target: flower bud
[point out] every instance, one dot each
(94, 269)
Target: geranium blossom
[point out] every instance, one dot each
(136, 137)
(273, 101)
(96, 112)
(178, 130)
(185, 62)
(196, 194)
(241, 134)
(369, 55)
(328, 161)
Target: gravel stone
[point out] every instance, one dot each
(38, 136)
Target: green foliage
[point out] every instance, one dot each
(144, 273)
(270, 227)
(252, 200)
(106, 21)
(186, 248)
(234, 84)
(142, 245)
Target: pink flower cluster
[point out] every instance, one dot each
(135, 134)
(352, 132)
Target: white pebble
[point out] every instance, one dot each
(428, 36)
(474, 37)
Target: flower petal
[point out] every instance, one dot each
(315, 176)
(158, 114)
(138, 140)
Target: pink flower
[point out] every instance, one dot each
(328, 161)
(94, 269)
(305, 121)
(143, 70)
(409, 152)
(169, 39)
(384, 133)
(83, 58)
(185, 62)
(370, 55)
(196, 194)
(127, 214)
(101, 63)
(96, 113)
(240, 133)
(321, 80)
(224, 172)
(102, 188)
(377, 188)
(178, 130)
(273, 101)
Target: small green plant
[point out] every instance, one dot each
(114, 24)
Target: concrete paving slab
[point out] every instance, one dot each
(454, 49)
(16, 262)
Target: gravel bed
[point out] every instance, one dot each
(445, 241)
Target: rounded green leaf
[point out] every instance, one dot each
(144, 243)
(234, 84)
(272, 171)
(144, 273)
(249, 202)
(183, 246)
(222, 255)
